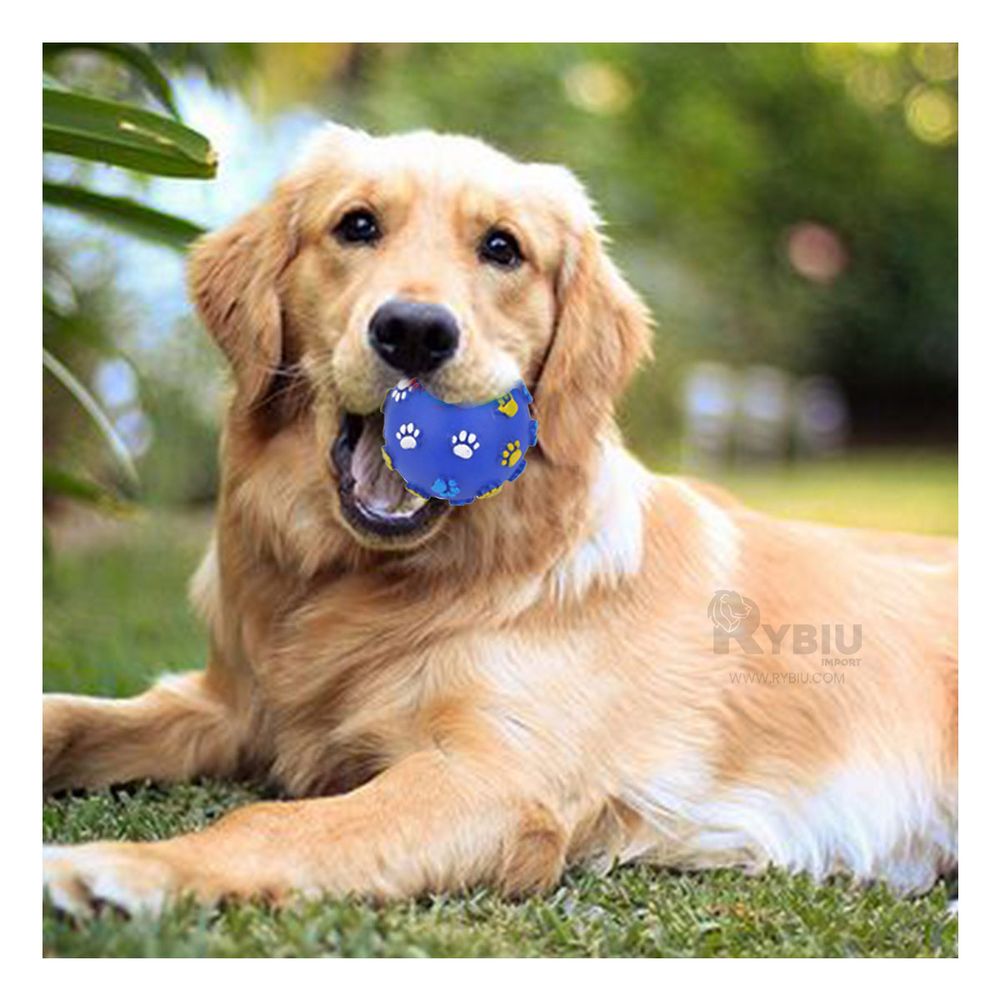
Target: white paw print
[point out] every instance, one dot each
(463, 444)
(402, 389)
(407, 436)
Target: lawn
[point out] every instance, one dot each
(116, 616)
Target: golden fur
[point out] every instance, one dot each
(532, 680)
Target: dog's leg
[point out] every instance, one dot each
(178, 729)
(430, 823)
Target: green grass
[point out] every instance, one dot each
(116, 616)
(633, 911)
(906, 491)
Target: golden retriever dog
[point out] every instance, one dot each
(482, 695)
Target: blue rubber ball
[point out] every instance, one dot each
(452, 451)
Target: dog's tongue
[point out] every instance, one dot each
(379, 488)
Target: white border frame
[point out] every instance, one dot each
(512, 20)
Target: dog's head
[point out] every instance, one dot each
(434, 256)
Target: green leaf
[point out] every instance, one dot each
(136, 58)
(124, 214)
(52, 307)
(94, 410)
(59, 482)
(123, 135)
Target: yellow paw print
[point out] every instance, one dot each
(507, 405)
(512, 453)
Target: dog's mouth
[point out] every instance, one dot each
(373, 498)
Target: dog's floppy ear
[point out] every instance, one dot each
(233, 276)
(602, 332)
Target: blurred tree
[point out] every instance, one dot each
(784, 204)
(708, 160)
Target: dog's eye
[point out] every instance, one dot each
(359, 226)
(500, 248)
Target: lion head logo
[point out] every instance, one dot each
(733, 614)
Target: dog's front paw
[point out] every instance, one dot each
(84, 878)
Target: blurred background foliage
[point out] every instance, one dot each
(788, 206)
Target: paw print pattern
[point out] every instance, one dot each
(511, 454)
(403, 388)
(407, 436)
(445, 488)
(507, 405)
(464, 444)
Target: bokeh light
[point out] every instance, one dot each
(832, 59)
(936, 60)
(879, 48)
(874, 83)
(932, 114)
(598, 87)
(816, 252)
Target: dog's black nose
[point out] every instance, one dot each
(413, 337)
